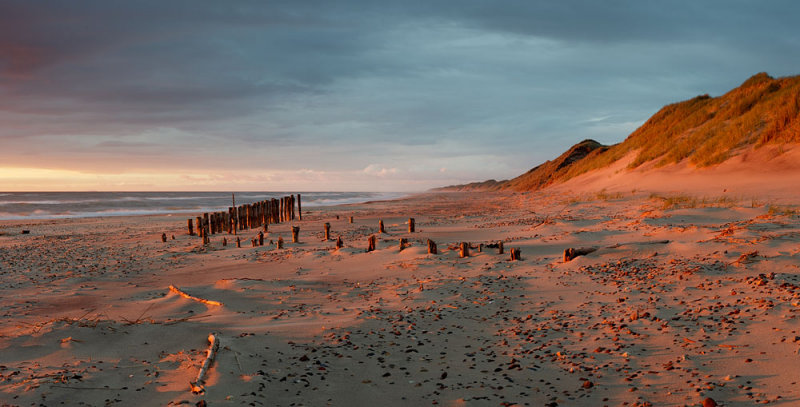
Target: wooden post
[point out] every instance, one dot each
(280, 242)
(480, 248)
(411, 225)
(299, 208)
(231, 222)
(266, 227)
(432, 247)
(339, 243)
(371, 243)
(327, 231)
(212, 223)
(238, 241)
(291, 205)
(515, 254)
(224, 241)
(189, 224)
(295, 232)
(199, 223)
(206, 238)
(403, 243)
(260, 238)
(500, 247)
(464, 252)
(351, 219)
(205, 224)
(380, 226)
(254, 242)
(163, 238)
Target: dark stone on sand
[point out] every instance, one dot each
(709, 402)
(588, 384)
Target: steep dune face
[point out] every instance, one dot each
(695, 135)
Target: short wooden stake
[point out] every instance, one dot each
(254, 242)
(380, 226)
(206, 225)
(371, 243)
(238, 242)
(572, 253)
(403, 243)
(515, 254)
(480, 248)
(432, 247)
(260, 238)
(224, 242)
(295, 232)
(464, 251)
(411, 225)
(327, 231)
(199, 223)
(280, 242)
(299, 208)
(339, 243)
(189, 224)
(163, 238)
(500, 248)
(351, 219)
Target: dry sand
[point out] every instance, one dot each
(678, 304)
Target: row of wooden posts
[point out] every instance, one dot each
(247, 216)
(251, 216)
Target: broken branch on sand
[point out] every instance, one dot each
(197, 385)
(183, 294)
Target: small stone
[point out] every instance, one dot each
(709, 402)
(588, 384)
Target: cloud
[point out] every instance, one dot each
(327, 86)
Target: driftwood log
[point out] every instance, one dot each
(198, 386)
(572, 253)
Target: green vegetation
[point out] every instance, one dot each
(688, 201)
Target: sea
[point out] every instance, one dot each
(54, 205)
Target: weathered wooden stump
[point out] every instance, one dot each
(411, 226)
(480, 247)
(254, 242)
(464, 249)
(339, 243)
(432, 247)
(351, 219)
(295, 233)
(380, 227)
(260, 238)
(238, 242)
(163, 238)
(372, 241)
(189, 225)
(199, 223)
(206, 225)
(280, 242)
(224, 242)
(403, 243)
(515, 254)
(500, 247)
(327, 231)
(572, 253)
(299, 208)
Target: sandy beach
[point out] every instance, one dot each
(682, 301)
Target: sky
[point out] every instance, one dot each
(359, 95)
